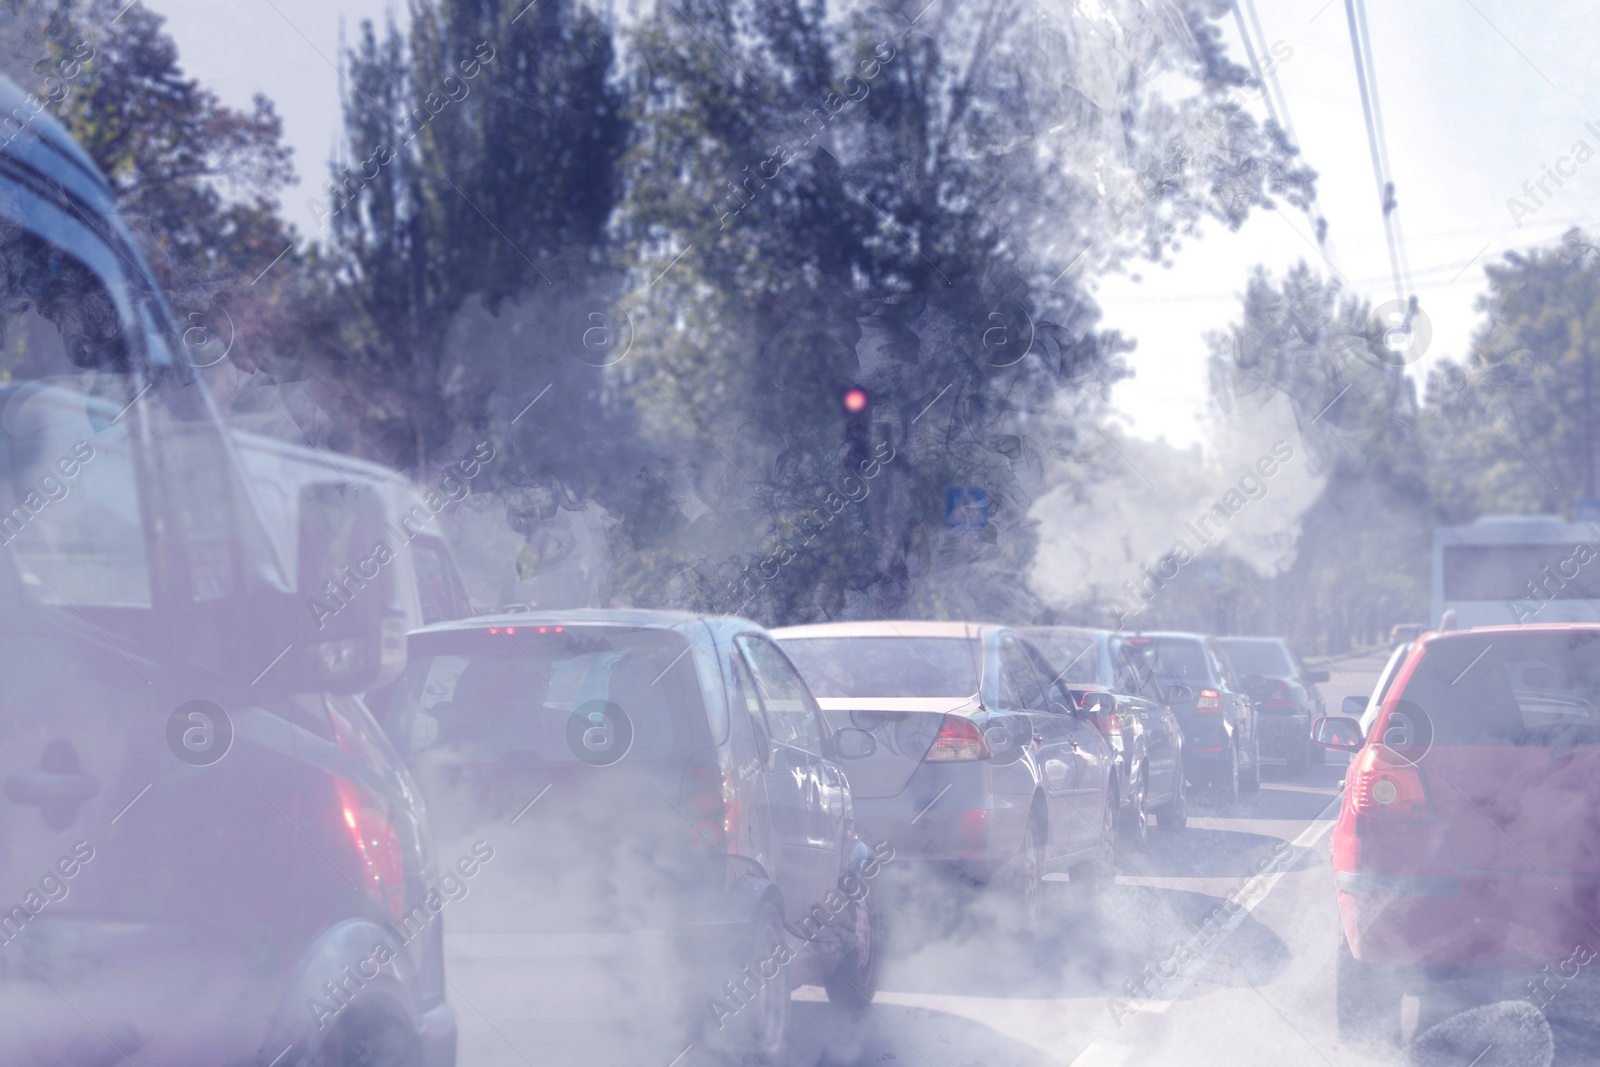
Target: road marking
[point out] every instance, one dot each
(1248, 896)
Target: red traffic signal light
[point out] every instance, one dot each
(855, 401)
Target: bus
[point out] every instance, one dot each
(1511, 570)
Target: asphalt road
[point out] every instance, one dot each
(1242, 984)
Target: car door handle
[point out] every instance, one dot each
(41, 788)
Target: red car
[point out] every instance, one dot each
(1468, 841)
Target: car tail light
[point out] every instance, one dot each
(705, 802)
(1209, 702)
(1384, 784)
(1109, 724)
(380, 863)
(1281, 699)
(958, 740)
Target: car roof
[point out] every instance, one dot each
(1169, 634)
(642, 618)
(1080, 631)
(1508, 630)
(1258, 640)
(888, 628)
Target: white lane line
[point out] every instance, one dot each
(1248, 897)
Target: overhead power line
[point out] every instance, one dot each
(1277, 102)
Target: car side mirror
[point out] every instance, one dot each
(1353, 706)
(339, 629)
(1337, 732)
(1317, 676)
(852, 742)
(1177, 694)
(1094, 705)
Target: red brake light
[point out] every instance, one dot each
(706, 802)
(380, 864)
(1209, 702)
(1281, 698)
(1384, 784)
(1109, 724)
(958, 740)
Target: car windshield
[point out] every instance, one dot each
(886, 666)
(1073, 655)
(568, 694)
(1266, 658)
(1173, 659)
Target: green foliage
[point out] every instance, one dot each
(904, 204)
(1362, 554)
(1512, 426)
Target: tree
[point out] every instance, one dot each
(197, 181)
(468, 231)
(1512, 426)
(1360, 561)
(907, 205)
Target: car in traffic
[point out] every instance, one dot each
(1222, 742)
(670, 812)
(1467, 842)
(982, 763)
(1402, 633)
(1285, 691)
(1113, 683)
(206, 837)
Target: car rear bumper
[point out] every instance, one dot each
(946, 814)
(1507, 920)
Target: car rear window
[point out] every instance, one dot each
(595, 694)
(1505, 689)
(1266, 658)
(1173, 658)
(886, 666)
(1070, 654)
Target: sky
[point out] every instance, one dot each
(1476, 96)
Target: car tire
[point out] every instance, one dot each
(1367, 1000)
(758, 1035)
(1100, 872)
(1250, 780)
(1226, 781)
(854, 982)
(369, 1039)
(1026, 881)
(1173, 816)
(1134, 830)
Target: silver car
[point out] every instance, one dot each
(982, 760)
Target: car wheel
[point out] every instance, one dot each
(1367, 999)
(1250, 780)
(372, 1039)
(1136, 820)
(1227, 781)
(854, 981)
(1174, 815)
(1027, 879)
(1100, 872)
(758, 1034)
